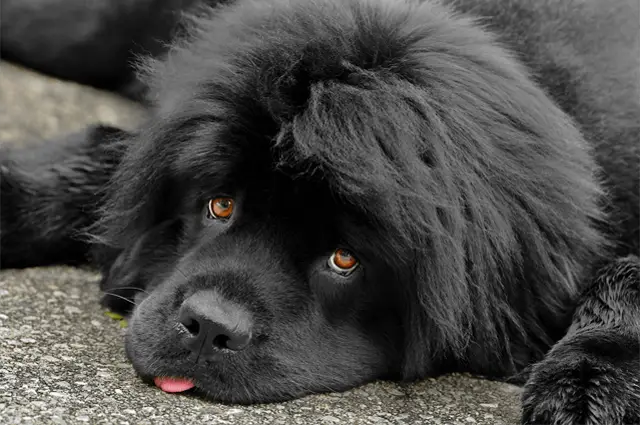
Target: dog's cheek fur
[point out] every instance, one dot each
(132, 272)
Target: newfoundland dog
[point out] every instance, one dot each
(331, 192)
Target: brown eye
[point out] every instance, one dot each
(220, 208)
(342, 261)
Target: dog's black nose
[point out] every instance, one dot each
(213, 324)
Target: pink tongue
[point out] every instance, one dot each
(173, 385)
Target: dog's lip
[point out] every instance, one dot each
(173, 384)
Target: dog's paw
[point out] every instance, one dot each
(575, 386)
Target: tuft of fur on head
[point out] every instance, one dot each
(415, 117)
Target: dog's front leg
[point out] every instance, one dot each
(50, 195)
(592, 375)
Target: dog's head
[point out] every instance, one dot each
(337, 191)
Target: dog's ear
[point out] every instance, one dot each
(128, 273)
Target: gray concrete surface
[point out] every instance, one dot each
(62, 360)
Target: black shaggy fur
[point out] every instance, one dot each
(479, 157)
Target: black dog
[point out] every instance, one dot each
(336, 191)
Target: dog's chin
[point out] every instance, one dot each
(225, 379)
(248, 380)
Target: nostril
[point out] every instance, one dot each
(220, 341)
(231, 341)
(191, 325)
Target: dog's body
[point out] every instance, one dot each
(484, 186)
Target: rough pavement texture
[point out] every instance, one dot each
(32, 106)
(62, 360)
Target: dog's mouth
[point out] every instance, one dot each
(170, 384)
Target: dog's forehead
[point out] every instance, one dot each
(244, 156)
